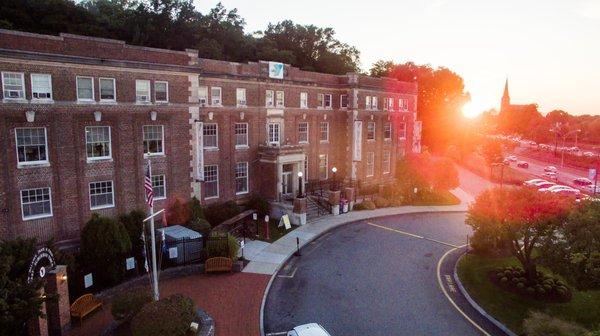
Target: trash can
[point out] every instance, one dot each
(344, 205)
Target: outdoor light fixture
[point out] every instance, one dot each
(334, 170)
(30, 115)
(255, 216)
(300, 184)
(63, 277)
(210, 116)
(242, 115)
(267, 218)
(98, 116)
(153, 115)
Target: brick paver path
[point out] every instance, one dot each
(233, 300)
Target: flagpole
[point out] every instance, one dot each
(153, 242)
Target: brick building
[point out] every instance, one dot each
(80, 117)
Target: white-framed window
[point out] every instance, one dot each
(344, 101)
(328, 101)
(32, 145)
(215, 96)
(203, 95)
(97, 142)
(13, 85)
(324, 100)
(210, 135)
(324, 131)
(279, 99)
(390, 103)
(41, 87)
(403, 104)
(241, 178)
(402, 130)
(102, 195)
(371, 130)
(241, 135)
(211, 181)
(108, 92)
(370, 164)
(303, 132)
(274, 133)
(159, 187)
(374, 102)
(323, 171)
(269, 98)
(161, 91)
(368, 105)
(387, 131)
(240, 97)
(36, 203)
(386, 162)
(142, 91)
(303, 99)
(154, 138)
(85, 88)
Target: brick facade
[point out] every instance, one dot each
(68, 171)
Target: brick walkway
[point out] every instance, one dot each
(233, 301)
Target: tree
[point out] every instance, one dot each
(20, 301)
(520, 217)
(444, 174)
(133, 224)
(178, 211)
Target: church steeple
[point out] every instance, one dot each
(505, 98)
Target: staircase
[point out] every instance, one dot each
(313, 209)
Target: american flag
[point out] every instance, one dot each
(148, 186)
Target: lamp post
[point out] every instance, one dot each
(334, 170)
(267, 237)
(300, 194)
(255, 219)
(562, 158)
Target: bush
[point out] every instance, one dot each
(381, 202)
(365, 205)
(200, 225)
(396, 201)
(218, 246)
(196, 210)
(127, 305)
(104, 246)
(133, 223)
(260, 204)
(540, 324)
(218, 213)
(169, 316)
(544, 287)
(178, 211)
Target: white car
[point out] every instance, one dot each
(550, 175)
(533, 182)
(544, 185)
(512, 158)
(567, 192)
(550, 169)
(310, 329)
(559, 187)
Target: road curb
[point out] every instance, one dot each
(288, 257)
(474, 304)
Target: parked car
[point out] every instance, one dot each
(588, 154)
(582, 181)
(550, 169)
(522, 164)
(559, 187)
(310, 329)
(512, 158)
(533, 182)
(544, 185)
(590, 188)
(567, 192)
(550, 175)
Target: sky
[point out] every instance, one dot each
(548, 49)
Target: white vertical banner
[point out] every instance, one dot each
(357, 141)
(199, 152)
(417, 136)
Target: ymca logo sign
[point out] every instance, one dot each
(276, 70)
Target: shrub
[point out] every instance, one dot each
(133, 223)
(196, 210)
(218, 246)
(381, 202)
(178, 211)
(543, 287)
(365, 205)
(260, 204)
(168, 316)
(200, 225)
(218, 213)
(104, 245)
(540, 324)
(127, 305)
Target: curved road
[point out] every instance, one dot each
(374, 277)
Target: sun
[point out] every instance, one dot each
(472, 110)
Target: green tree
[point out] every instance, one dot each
(133, 224)
(444, 175)
(20, 301)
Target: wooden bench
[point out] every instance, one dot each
(84, 305)
(218, 264)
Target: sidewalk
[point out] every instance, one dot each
(266, 259)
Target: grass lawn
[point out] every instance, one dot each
(512, 309)
(437, 197)
(274, 231)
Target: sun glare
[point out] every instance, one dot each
(471, 110)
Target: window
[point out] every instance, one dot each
(203, 95)
(273, 133)
(240, 95)
(387, 131)
(279, 99)
(101, 195)
(303, 132)
(324, 100)
(344, 101)
(241, 178)
(215, 96)
(159, 187)
(403, 104)
(36, 203)
(97, 142)
(386, 162)
(269, 98)
(142, 91)
(370, 164)
(85, 88)
(368, 105)
(153, 140)
(41, 87)
(13, 85)
(390, 104)
(241, 135)
(402, 130)
(324, 134)
(161, 92)
(371, 130)
(32, 145)
(328, 101)
(303, 100)
(210, 135)
(211, 181)
(107, 89)
(374, 102)
(323, 171)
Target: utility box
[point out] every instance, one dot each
(182, 245)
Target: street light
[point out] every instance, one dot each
(334, 170)
(300, 184)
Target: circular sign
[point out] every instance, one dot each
(43, 261)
